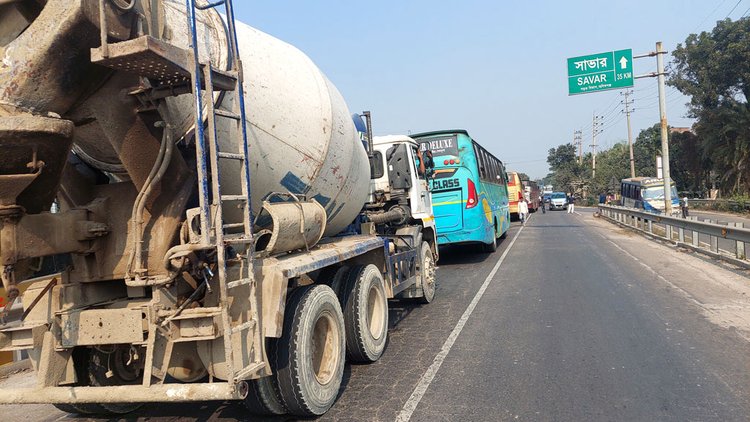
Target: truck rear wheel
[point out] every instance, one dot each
(263, 397)
(334, 277)
(81, 408)
(121, 365)
(365, 308)
(426, 273)
(311, 351)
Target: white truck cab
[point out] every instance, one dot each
(400, 146)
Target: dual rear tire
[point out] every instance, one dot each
(321, 329)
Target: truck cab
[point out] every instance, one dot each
(395, 168)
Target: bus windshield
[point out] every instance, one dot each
(656, 193)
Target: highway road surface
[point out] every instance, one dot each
(572, 319)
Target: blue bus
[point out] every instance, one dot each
(469, 190)
(647, 193)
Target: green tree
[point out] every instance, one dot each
(567, 173)
(713, 69)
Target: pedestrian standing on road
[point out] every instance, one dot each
(541, 202)
(684, 207)
(571, 204)
(523, 210)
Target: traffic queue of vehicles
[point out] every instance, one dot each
(258, 252)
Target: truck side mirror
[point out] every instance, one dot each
(399, 167)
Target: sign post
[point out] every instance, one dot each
(600, 72)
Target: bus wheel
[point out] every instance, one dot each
(310, 354)
(490, 247)
(426, 273)
(263, 398)
(365, 308)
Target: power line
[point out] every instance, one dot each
(735, 6)
(709, 15)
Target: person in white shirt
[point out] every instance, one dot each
(523, 210)
(684, 207)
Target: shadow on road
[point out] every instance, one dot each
(546, 226)
(462, 254)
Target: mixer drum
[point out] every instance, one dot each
(301, 136)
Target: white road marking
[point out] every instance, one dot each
(416, 396)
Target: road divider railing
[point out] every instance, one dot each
(725, 241)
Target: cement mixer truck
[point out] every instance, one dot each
(191, 212)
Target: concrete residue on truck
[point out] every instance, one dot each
(200, 249)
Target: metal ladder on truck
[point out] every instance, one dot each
(179, 71)
(211, 216)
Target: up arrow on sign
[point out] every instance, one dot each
(623, 63)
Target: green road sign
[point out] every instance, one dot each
(600, 72)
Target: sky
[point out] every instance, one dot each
(496, 70)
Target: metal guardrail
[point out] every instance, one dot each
(686, 232)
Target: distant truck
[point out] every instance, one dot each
(515, 193)
(532, 194)
(212, 252)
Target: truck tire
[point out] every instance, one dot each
(263, 397)
(311, 352)
(334, 277)
(81, 408)
(111, 368)
(365, 307)
(81, 362)
(426, 273)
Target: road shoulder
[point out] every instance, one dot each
(721, 292)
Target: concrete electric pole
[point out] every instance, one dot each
(594, 131)
(628, 102)
(664, 131)
(578, 142)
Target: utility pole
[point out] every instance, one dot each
(664, 132)
(578, 142)
(659, 74)
(628, 102)
(594, 131)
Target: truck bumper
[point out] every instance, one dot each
(125, 393)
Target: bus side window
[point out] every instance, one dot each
(480, 161)
(486, 165)
(495, 171)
